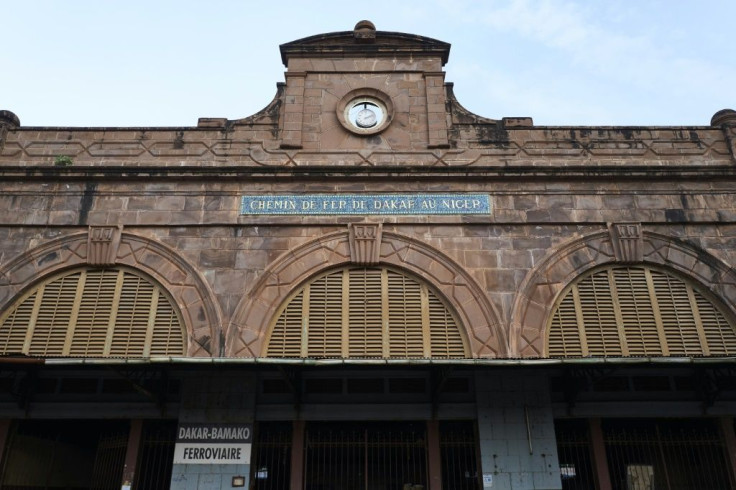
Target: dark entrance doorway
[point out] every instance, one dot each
(85, 455)
(65, 454)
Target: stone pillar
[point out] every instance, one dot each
(516, 431)
(131, 453)
(726, 120)
(433, 455)
(297, 456)
(600, 462)
(221, 397)
(436, 110)
(292, 117)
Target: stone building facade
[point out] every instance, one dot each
(523, 305)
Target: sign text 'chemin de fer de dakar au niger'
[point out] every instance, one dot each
(326, 204)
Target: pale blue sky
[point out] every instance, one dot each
(167, 63)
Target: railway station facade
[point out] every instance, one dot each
(365, 285)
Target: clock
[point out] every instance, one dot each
(365, 111)
(366, 117)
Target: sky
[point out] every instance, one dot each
(563, 63)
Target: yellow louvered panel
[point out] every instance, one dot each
(677, 316)
(718, 333)
(131, 322)
(652, 305)
(72, 314)
(405, 317)
(365, 314)
(14, 328)
(287, 332)
(324, 338)
(94, 313)
(637, 313)
(168, 335)
(53, 318)
(445, 338)
(564, 336)
(599, 315)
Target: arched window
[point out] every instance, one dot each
(365, 312)
(115, 312)
(637, 311)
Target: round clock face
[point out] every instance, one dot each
(365, 114)
(366, 118)
(365, 111)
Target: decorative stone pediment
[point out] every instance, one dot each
(363, 41)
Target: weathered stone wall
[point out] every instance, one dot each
(530, 221)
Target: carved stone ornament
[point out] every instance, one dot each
(102, 245)
(365, 32)
(365, 242)
(627, 241)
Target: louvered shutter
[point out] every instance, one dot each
(718, 333)
(93, 313)
(365, 317)
(53, 318)
(599, 316)
(287, 332)
(16, 326)
(676, 312)
(446, 341)
(405, 326)
(365, 313)
(637, 311)
(93, 319)
(564, 337)
(324, 338)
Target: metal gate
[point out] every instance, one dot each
(156, 456)
(365, 456)
(271, 458)
(574, 453)
(665, 454)
(459, 455)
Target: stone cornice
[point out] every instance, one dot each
(324, 173)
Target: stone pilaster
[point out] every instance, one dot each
(518, 449)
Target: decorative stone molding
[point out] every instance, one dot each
(102, 244)
(365, 32)
(192, 294)
(479, 320)
(539, 290)
(365, 242)
(627, 242)
(8, 121)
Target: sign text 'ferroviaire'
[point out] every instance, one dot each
(326, 204)
(213, 443)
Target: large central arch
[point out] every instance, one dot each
(248, 329)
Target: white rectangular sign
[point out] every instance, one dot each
(213, 443)
(209, 453)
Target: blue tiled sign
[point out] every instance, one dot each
(322, 204)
